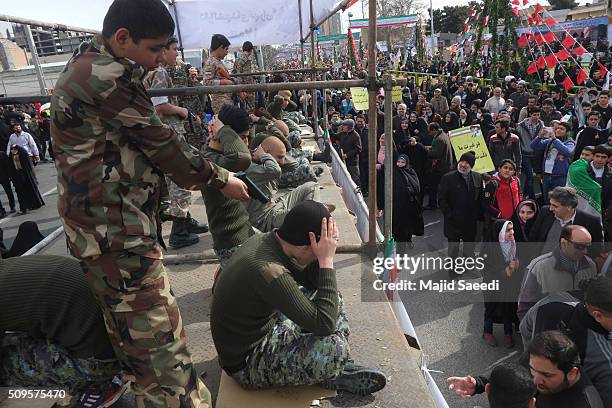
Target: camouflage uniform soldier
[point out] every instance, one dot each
(184, 228)
(112, 150)
(182, 77)
(215, 72)
(244, 65)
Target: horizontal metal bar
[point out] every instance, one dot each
(53, 26)
(340, 6)
(280, 71)
(198, 90)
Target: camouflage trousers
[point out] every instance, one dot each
(290, 356)
(218, 100)
(180, 199)
(302, 174)
(145, 329)
(284, 203)
(29, 362)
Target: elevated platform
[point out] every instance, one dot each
(376, 339)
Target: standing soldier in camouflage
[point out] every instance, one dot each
(184, 228)
(215, 72)
(184, 75)
(244, 65)
(111, 153)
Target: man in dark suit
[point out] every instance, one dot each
(459, 198)
(562, 211)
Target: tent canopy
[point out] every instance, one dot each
(270, 22)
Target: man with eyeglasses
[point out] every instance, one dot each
(563, 269)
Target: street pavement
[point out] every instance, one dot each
(448, 325)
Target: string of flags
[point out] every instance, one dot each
(543, 38)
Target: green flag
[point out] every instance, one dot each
(587, 189)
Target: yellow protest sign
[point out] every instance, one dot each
(396, 95)
(360, 98)
(470, 139)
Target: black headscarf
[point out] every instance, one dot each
(28, 235)
(453, 124)
(522, 229)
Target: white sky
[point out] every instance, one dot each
(89, 14)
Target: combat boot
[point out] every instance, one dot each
(180, 236)
(323, 157)
(359, 380)
(195, 227)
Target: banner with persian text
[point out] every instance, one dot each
(270, 22)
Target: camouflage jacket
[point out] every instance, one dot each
(111, 150)
(214, 72)
(244, 65)
(160, 78)
(180, 78)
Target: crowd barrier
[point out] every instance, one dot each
(352, 195)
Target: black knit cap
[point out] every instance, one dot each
(469, 157)
(304, 218)
(235, 118)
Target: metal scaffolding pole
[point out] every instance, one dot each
(388, 210)
(35, 61)
(178, 28)
(339, 7)
(313, 53)
(305, 103)
(372, 120)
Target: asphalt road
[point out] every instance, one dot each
(448, 325)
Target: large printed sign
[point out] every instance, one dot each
(470, 139)
(361, 99)
(267, 22)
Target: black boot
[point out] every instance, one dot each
(323, 157)
(195, 227)
(180, 236)
(359, 380)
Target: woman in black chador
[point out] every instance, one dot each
(22, 174)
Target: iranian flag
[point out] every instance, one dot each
(587, 189)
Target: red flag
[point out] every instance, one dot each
(549, 37)
(603, 70)
(578, 51)
(568, 41)
(349, 4)
(530, 20)
(532, 69)
(541, 62)
(516, 2)
(484, 23)
(567, 83)
(525, 2)
(516, 12)
(538, 9)
(539, 39)
(551, 60)
(581, 77)
(550, 21)
(537, 20)
(562, 55)
(523, 41)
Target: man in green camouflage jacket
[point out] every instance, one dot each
(184, 227)
(215, 72)
(111, 153)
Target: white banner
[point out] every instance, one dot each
(264, 23)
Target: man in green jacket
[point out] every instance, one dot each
(271, 333)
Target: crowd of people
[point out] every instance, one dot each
(542, 216)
